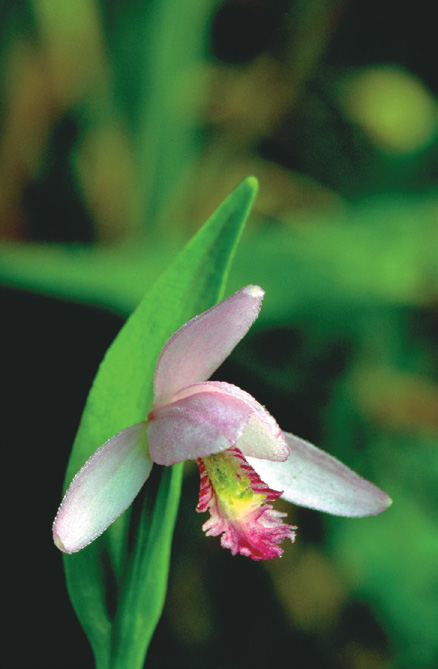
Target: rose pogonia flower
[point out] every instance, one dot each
(244, 458)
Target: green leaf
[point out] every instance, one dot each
(117, 584)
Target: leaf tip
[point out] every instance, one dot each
(252, 183)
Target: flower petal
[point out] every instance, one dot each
(209, 417)
(197, 349)
(312, 478)
(197, 425)
(104, 487)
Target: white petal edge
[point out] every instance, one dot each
(314, 479)
(201, 345)
(104, 488)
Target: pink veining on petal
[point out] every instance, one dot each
(197, 349)
(248, 524)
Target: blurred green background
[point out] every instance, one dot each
(122, 126)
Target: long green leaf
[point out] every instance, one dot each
(117, 584)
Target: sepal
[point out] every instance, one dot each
(104, 488)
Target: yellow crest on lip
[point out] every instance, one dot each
(232, 485)
(236, 498)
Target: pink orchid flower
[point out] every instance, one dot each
(244, 458)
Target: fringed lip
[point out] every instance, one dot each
(237, 500)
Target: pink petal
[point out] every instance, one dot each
(262, 437)
(312, 478)
(197, 349)
(196, 426)
(209, 417)
(104, 487)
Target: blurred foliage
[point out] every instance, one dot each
(122, 126)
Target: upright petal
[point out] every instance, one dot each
(312, 478)
(104, 487)
(197, 349)
(209, 417)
